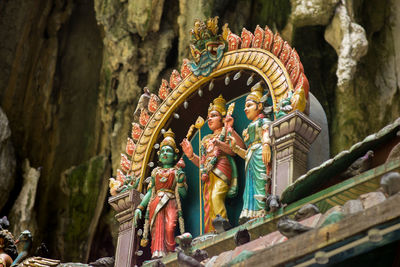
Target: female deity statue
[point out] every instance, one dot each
(8, 250)
(217, 167)
(257, 156)
(162, 200)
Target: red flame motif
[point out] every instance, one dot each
(130, 147)
(125, 163)
(144, 117)
(154, 102)
(136, 131)
(164, 90)
(121, 176)
(233, 41)
(247, 38)
(175, 79)
(268, 39)
(285, 54)
(278, 44)
(302, 82)
(185, 70)
(258, 37)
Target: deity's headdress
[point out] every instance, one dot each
(256, 92)
(169, 140)
(218, 104)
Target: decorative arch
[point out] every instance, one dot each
(263, 53)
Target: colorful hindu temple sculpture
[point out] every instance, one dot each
(8, 250)
(207, 46)
(217, 167)
(162, 202)
(257, 156)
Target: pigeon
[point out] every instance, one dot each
(142, 104)
(272, 202)
(221, 224)
(242, 237)
(103, 262)
(185, 260)
(291, 228)
(42, 250)
(390, 182)
(4, 223)
(359, 166)
(200, 255)
(184, 240)
(306, 211)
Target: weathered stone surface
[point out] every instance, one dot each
(71, 71)
(312, 12)
(375, 85)
(371, 199)
(7, 160)
(22, 215)
(350, 42)
(145, 15)
(84, 189)
(352, 206)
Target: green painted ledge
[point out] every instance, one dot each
(316, 177)
(363, 183)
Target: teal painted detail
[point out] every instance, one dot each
(324, 174)
(190, 205)
(244, 255)
(333, 218)
(207, 62)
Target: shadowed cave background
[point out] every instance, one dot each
(71, 72)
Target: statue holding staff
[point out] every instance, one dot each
(217, 168)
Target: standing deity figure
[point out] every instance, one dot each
(162, 200)
(217, 168)
(257, 155)
(8, 250)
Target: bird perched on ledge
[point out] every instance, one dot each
(306, 211)
(185, 260)
(221, 224)
(359, 166)
(291, 228)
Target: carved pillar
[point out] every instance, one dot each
(292, 137)
(124, 204)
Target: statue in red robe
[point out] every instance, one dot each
(162, 200)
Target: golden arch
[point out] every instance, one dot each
(260, 61)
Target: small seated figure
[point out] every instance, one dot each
(162, 200)
(8, 250)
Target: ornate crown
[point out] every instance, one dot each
(169, 140)
(256, 93)
(218, 104)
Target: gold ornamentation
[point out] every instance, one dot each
(256, 93)
(169, 140)
(218, 104)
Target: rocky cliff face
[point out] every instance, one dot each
(72, 70)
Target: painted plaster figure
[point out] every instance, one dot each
(8, 250)
(162, 200)
(217, 167)
(257, 156)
